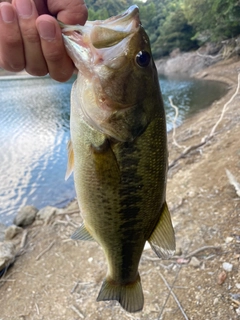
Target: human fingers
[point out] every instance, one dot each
(11, 45)
(59, 64)
(68, 11)
(35, 63)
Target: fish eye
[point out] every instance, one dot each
(143, 59)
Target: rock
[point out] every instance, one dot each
(204, 74)
(25, 216)
(195, 262)
(187, 63)
(7, 254)
(12, 231)
(238, 311)
(227, 266)
(222, 277)
(178, 251)
(2, 232)
(235, 296)
(229, 239)
(46, 213)
(147, 246)
(72, 206)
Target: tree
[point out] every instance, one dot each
(175, 33)
(214, 19)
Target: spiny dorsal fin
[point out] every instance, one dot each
(70, 160)
(162, 240)
(82, 233)
(130, 296)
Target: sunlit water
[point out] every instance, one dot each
(34, 131)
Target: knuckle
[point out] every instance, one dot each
(30, 35)
(11, 40)
(54, 56)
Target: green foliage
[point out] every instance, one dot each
(175, 33)
(102, 9)
(215, 20)
(172, 24)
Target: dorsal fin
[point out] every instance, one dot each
(162, 240)
(70, 164)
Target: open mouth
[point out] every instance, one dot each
(107, 33)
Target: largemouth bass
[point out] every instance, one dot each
(118, 149)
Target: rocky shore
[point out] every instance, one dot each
(45, 275)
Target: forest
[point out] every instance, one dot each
(182, 24)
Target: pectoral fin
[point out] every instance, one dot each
(70, 160)
(105, 163)
(162, 240)
(82, 233)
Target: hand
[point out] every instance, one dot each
(31, 39)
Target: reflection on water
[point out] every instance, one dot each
(34, 131)
(189, 95)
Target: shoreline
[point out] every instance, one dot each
(205, 211)
(205, 74)
(24, 75)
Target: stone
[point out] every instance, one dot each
(72, 206)
(12, 231)
(147, 246)
(195, 262)
(238, 311)
(227, 266)
(229, 239)
(25, 216)
(7, 254)
(46, 213)
(2, 232)
(222, 277)
(178, 251)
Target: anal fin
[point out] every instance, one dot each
(162, 239)
(82, 233)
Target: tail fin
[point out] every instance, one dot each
(129, 296)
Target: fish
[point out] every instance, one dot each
(118, 150)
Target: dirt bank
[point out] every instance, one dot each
(56, 278)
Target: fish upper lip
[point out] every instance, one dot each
(115, 28)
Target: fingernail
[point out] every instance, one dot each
(47, 30)
(7, 13)
(24, 8)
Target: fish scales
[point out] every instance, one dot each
(118, 150)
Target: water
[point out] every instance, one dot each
(34, 131)
(189, 95)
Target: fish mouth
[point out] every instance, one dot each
(102, 34)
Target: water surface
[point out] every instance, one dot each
(189, 95)
(34, 131)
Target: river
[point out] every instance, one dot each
(34, 131)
